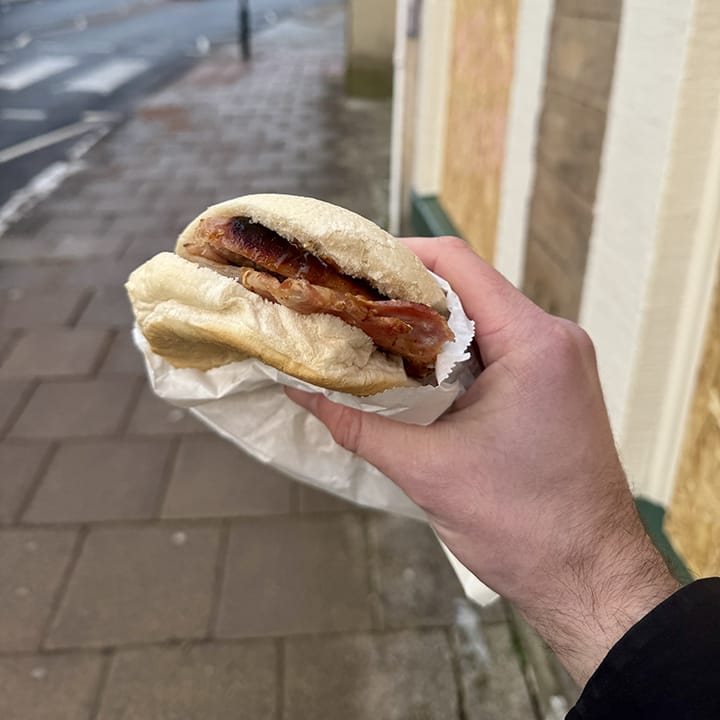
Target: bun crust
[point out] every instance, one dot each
(355, 245)
(196, 318)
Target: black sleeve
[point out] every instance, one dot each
(666, 666)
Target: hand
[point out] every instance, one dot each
(521, 478)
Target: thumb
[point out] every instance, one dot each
(377, 439)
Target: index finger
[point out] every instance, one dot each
(489, 299)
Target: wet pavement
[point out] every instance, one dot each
(147, 568)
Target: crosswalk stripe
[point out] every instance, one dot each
(23, 114)
(32, 71)
(100, 116)
(107, 76)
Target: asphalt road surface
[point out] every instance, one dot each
(70, 69)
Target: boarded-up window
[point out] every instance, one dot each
(480, 81)
(693, 520)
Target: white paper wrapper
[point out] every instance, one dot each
(245, 403)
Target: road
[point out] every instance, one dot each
(70, 69)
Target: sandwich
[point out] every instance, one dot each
(305, 286)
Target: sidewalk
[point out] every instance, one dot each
(148, 569)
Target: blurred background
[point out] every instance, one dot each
(76, 63)
(149, 569)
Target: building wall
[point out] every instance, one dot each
(370, 44)
(433, 67)
(579, 76)
(481, 73)
(632, 202)
(526, 101)
(693, 521)
(649, 278)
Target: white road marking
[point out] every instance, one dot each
(97, 133)
(22, 40)
(38, 188)
(44, 184)
(23, 114)
(51, 138)
(99, 116)
(202, 45)
(32, 71)
(107, 76)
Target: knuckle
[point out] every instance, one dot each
(570, 344)
(585, 343)
(453, 242)
(347, 427)
(582, 342)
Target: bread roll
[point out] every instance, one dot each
(196, 317)
(355, 245)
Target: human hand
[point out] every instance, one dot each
(521, 478)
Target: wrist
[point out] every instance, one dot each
(598, 598)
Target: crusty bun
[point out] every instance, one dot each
(196, 317)
(355, 245)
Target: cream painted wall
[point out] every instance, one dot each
(648, 280)
(420, 97)
(371, 31)
(400, 108)
(531, 47)
(432, 96)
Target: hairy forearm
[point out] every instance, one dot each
(521, 479)
(599, 598)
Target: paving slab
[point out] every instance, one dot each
(60, 247)
(29, 276)
(494, 612)
(415, 582)
(295, 574)
(55, 352)
(95, 273)
(138, 584)
(491, 678)
(151, 240)
(13, 394)
(75, 226)
(216, 681)
(213, 478)
(76, 408)
(7, 340)
(394, 676)
(312, 500)
(32, 565)
(96, 480)
(23, 308)
(108, 307)
(20, 463)
(123, 358)
(49, 687)
(153, 416)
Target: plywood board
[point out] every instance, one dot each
(480, 81)
(693, 519)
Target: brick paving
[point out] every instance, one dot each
(147, 568)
